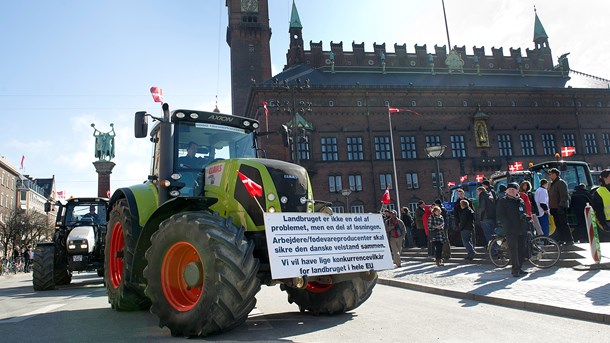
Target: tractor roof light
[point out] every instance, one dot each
(180, 115)
(255, 125)
(194, 115)
(174, 193)
(246, 123)
(175, 176)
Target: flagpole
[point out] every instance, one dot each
(393, 160)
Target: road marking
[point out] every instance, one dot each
(29, 315)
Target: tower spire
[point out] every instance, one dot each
(295, 54)
(540, 37)
(295, 21)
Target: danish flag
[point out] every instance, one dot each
(253, 188)
(396, 110)
(449, 184)
(463, 178)
(480, 177)
(157, 94)
(568, 151)
(511, 168)
(518, 166)
(385, 199)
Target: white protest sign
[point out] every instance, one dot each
(320, 244)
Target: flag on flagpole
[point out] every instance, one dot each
(385, 199)
(480, 177)
(253, 188)
(567, 151)
(518, 166)
(463, 178)
(266, 115)
(157, 94)
(22, 160)
(396, 110)
(61, 195)
(449, 184)
(511, 168)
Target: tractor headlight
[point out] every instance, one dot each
(71, 246)
(83, 246)
(174, 193)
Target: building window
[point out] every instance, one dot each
(606, 139)
(357, 208)
(548, 144)
(412, 181)
(590, 143)
(338, 209)
(334, 183)
(303, 147)
(505, 145)
(465, 103)
(359, 103)
(385, 180)
(329, 149)
(440, 178)
(569, 139)
(386, 103)
(458, 147)
(382, 148)
(354, 148)
(331, 103)
(355, 183)
(513, 103)
(488, 103)
(439, 103)
(433, 141)
(408, 148)
(413, 103)
(527, 145)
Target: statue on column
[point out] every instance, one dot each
(104, 143)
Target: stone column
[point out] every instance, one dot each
(103, 169)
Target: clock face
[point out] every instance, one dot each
(249, 6)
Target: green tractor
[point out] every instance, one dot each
(190, 244)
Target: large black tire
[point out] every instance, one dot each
(43, 264)
(201, 274)
(62, 276)
(331, 299)
(123, 295)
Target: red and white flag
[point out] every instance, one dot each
(449, 184)
(518, 166)
(108, 194)
(22, 160)
(157, 94)
(511, 168)
(266, 115)
(396, 110)
(385, 199)
(61, 195)
(253, 188)
(568, 151)
(463, 178)
(480, 177)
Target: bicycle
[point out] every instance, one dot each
(542, 251)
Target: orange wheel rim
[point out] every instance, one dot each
(117, 244)
(182, 276)
(316, 287)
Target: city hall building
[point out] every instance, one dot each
(483, 110)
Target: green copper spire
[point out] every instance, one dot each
(539, 33)
(295, 21)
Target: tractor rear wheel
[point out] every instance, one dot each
(201, 274)
(118, 257)
(44, 261)
(333, 298)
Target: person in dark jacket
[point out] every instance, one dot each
(407, 219)
(559, 202)
(511, 217)
(466, 227)
(578, 202)
(487, 213)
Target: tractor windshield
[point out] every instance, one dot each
(198, 144)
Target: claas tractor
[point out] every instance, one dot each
(189, 243)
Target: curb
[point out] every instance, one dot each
(516, 304)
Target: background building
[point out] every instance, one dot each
(489, 111)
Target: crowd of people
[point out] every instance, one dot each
(19, 261)
(513, 211)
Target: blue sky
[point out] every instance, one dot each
(67, 64)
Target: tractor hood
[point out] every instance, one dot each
(81, 234)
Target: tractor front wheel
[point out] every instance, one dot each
(119, 256)
(201, 274)
(331, 298)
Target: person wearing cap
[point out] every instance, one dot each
(579, 200)
(511, 217)
(601, 200)
(396, 230)
(541, 199)
(559, 202)
(486, 213)
(489, 189)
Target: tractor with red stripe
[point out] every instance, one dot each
(189, 243)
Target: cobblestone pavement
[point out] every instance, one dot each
(566, 292)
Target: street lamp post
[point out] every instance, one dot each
(297, 86)
(436, 152)
(346, 193)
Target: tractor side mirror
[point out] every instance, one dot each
(47, 206)
(140, 125)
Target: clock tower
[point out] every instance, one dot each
(248, 36)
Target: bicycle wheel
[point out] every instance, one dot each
(545, 252)
(498, 252)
